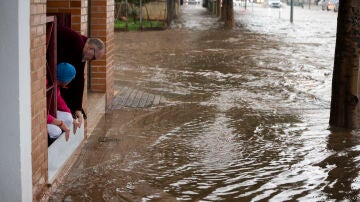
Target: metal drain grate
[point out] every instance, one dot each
(129, 97)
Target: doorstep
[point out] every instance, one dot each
(95, 110)
(62, 153)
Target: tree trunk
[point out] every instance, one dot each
(218, 8)
(345, 109)
(148, 16)
(223, 10)
(170, 11)
(229, 20)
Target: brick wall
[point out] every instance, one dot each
(102, 26)
(77, 8)
(110, 52)
(38, 96)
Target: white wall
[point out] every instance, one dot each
(15, 116)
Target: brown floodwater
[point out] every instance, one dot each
(243, 115)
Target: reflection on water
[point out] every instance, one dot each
(245, 118)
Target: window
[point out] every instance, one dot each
(51, 61)
(53, 20)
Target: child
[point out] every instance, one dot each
(65, 73)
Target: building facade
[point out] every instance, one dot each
(24, 144)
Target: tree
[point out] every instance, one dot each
(229, 14)
(224, 9)
(218, 7)
(345, 108)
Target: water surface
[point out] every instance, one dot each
(244, 115)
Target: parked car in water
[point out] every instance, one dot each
(329, 5)
(274, 3)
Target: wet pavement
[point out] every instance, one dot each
(241, 115)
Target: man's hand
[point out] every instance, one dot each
(76, 125)
(79, 116)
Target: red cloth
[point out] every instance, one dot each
(70, 46)
(61, 106)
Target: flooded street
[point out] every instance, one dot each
(242, 115)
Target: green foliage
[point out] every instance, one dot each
(135, 2)
(136, 25)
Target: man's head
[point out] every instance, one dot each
(65, 73)
(94, 49)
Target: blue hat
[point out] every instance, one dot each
(65, 72)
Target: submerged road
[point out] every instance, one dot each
(207, 114)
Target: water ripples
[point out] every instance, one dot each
(246, 117)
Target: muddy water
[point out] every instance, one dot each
(243, 116)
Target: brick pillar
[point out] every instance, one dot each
(102, 26)
(38, 96)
